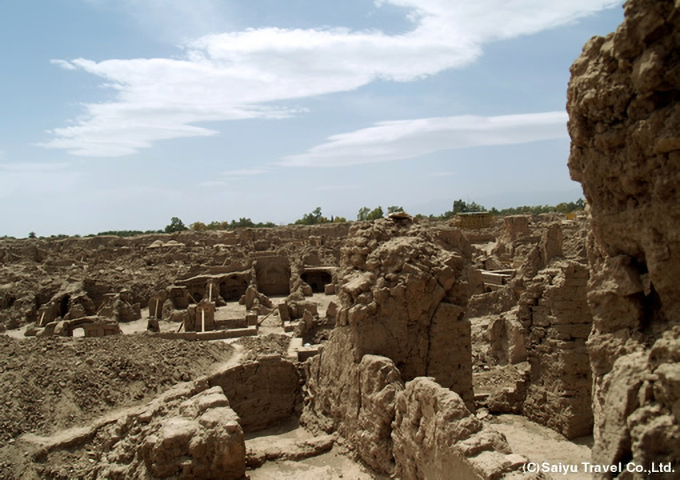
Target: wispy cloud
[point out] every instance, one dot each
(63, 64)
(213, 183)
(399, 140)
(241, 75)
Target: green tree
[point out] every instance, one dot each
(460, 206)
(376, 214)
(394, 209)
(363, 214)
(176, 225)
(366, 213)
(242, 223)
(31, 235)
(313, 218)
(198, 227)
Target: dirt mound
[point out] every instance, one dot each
(272, 344)
(54, 383)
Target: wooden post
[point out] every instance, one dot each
(202, 320)
(210, 294)
(42, 317)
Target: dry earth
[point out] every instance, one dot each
(406, 350)
(58, 383)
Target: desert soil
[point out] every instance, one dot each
(540, 444)
(55, 383)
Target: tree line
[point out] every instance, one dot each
(316, 217)
(460, 206)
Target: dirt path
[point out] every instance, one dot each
(326, 466)
(541, 444)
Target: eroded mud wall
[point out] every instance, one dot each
(624, 122)
(403, 299)
(262, 393)
(554, 312)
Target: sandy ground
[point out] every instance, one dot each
(328, 466)
(540, 444)
(535, 442)
(18, 333)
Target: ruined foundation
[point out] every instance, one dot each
(406, 346)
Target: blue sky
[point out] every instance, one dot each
(119, 114)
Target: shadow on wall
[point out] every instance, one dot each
(233, 288)
(273, 275)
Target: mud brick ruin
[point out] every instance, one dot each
(412, 350)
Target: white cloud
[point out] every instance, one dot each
(213, 183)
(398, 140)
(239, 75)
(63, 64)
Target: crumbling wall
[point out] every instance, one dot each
(402, 316)
(204, 441)
(540, 316)
(555, 316)
(354, 399)
(33, 271)
(436, 437)
(273, 275)
(624, 122)
(188, 432)
(497, 336)
(200, 317)
(263, 392)
(404, 298)
(119, 307)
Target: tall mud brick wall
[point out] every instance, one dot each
(554, 311)
(403, 299)
(624, 122)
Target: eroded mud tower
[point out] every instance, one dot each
(624, 122)
(403, 294)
